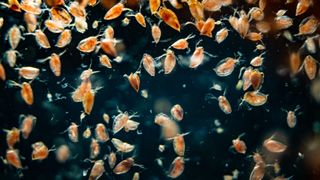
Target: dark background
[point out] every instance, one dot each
(207, 152)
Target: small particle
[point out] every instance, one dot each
(161, 148)
(49, 96)
(159, 162)
(239, 85)
(219, 130)
(125, 21)
(217, 122)
(95, 24)
(216, 86)
(106, 118)
(118, 59)
(87, 133)
(301, 156)
(276, 167)
(144, 93)
(235, 174)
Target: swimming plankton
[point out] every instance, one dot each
(197, 57)
(27, 125)
(26, 91)
(169, 17)
(226, 66)
(156, 33)
(120, 121)
(177, 112)
(121, 146)
(182, 43)
(73, 132)
(148, 64)
(291, 116)
(97, 170)
(94, 148)
(176, 167)
(14, 36)
(13, 158)
(40, 151)
(13, 136)
(64, 38)
(88, 101)
(88, 44)
(254, 98)
(28, 72)
(41, 38)
(223, 103)
(179, 144)
(239, 145)
(274, 146)
(154, 6)
(116, 11)
(134, 80)
(54, 63)
(101, 133)
(125, 165)
(2, 73)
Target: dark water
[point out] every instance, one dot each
(208, 154)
